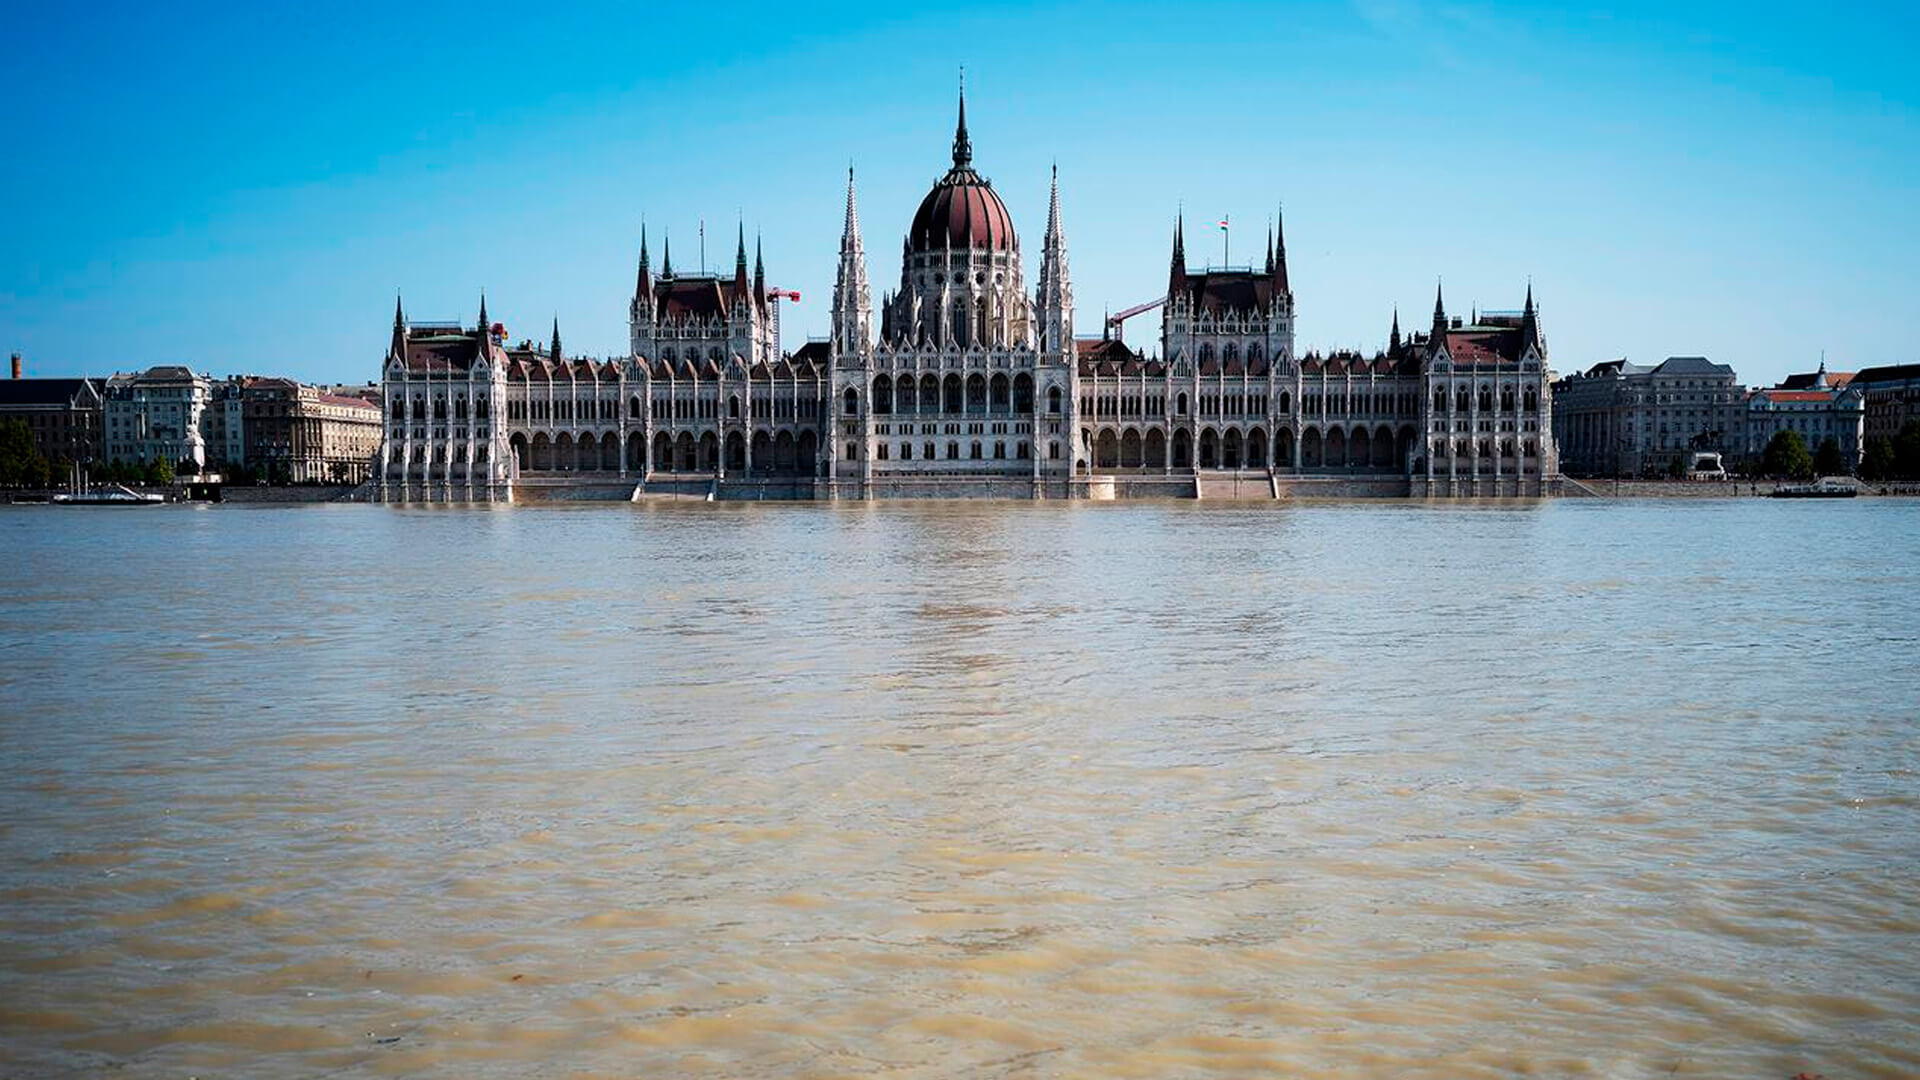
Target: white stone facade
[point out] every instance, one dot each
(969, 384)
(163, 412)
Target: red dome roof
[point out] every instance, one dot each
(962, 211)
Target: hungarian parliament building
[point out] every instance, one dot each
(963, 382)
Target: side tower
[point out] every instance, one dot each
(851, 351)
(1487, 406)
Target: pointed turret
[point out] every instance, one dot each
(666, 256)
(485, 326)
(643, 281)
(759, 272)
(555, 352)
(1439, 315)
(962, 145)
(1530, 324)
(852, 303)
(740, 264)
(1269, 249)
(1279, 268)
(1056, 288)
(1393, 339)
(398, 348)
(1177, 272)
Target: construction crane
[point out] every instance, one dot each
(773, 298)
(1115, 320)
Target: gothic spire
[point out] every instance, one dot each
(962, 145)
(1393, 340)
(1530, 323)
(556, 337)
(485, 326)
(1439, 312)
(1056, 290)
(643, 282)
(1269, 249)
(740, 266)
(1279, 269)
(399, 316)
(1177, 272)
(759, 269)
(1053, 206)
(852, 303)
(850, 229)
(666, 256)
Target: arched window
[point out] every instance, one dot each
(1532, 399)
(633, 406)
(1506, 399)
(1463, 400)
(852, 402)
(1206, 352)
(974, 452)
(1486, 398)
(1253, 353)
(1230, 352)
(1053, 401)
(733, 408)
(667, 354)
(399, 408)
(1180, 405)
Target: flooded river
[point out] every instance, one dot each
(985, 790)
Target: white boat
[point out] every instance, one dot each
(110, 495)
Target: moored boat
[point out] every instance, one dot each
(111, 495)
(1824, 489)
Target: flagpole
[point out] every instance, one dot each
(1226, 232)
(703, 245)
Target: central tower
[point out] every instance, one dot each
(971, 384)
(960, 276)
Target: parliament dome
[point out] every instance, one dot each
(962, 212)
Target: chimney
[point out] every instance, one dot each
(16, 365)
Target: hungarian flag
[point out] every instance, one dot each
(1223, 224)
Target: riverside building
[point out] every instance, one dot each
(962, 381)
(63, 415)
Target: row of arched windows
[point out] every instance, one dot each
(929, 451)
(439, 407)
(1464, 399)
(1361, 448)
(930, 395)
(1231, 352)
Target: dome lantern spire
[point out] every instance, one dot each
(962, 144)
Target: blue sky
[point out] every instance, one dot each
(244, 187)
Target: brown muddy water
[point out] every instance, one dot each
(986, 790)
